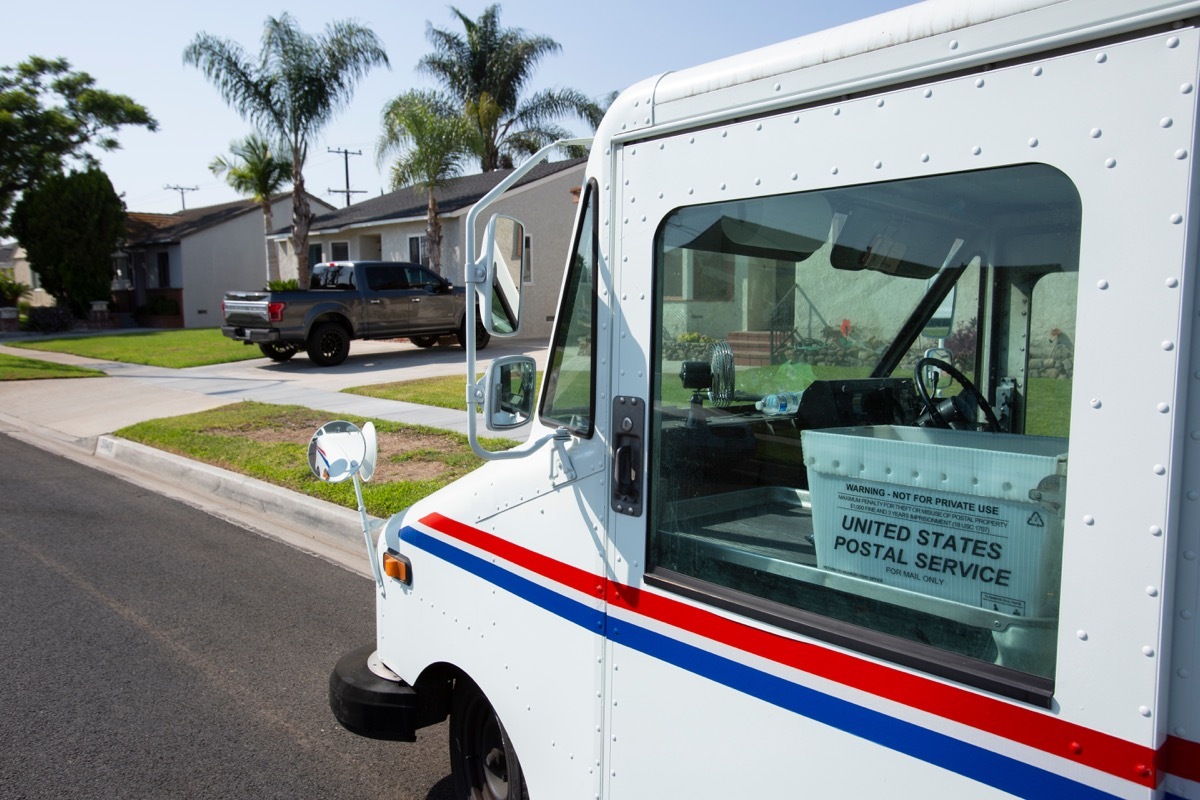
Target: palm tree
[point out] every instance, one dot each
(290, 91)
(253, 170)
(432, 140)
(486, 69)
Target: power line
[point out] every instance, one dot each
(181, 190)
(345, 154)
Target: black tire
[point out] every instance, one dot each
(482, 337)
(423, 341)
(483, 763)
(277, 351)
(328, 344)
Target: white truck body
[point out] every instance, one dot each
(684, 597)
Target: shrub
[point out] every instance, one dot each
(694, 337)
(290, 284)
(50, 319)
(964, 341)
(12, 290)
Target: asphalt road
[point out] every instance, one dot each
(149, 650)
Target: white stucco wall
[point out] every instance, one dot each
(226, 257)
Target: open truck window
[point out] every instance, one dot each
(861, 413)
(569, 397)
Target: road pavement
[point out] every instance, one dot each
(149, 650)
(76, 417)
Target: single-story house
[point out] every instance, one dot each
(391, 227)
(189, 259)
(14, 263)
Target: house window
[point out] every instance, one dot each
(418, 251)
(121, 272)
(527, 263)
(339, 251)
(315, 254)
(164, 270)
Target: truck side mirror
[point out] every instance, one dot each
(339, 449)
(509, 387)
(941, 323)
(506, 256)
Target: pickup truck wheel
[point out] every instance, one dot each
(483, 763)
(482, 337)
(328, 344)
(277, 351)
(423, 341)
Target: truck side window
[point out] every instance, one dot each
(569, 396)
(861, 411)
(385, 278)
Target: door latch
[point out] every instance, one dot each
(629, 427)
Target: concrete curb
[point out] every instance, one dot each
(238, 493)
(323, 529)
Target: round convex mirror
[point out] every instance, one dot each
(336, 451)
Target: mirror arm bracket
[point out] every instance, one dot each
(560, 437)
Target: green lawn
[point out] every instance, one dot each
(445, 392)
(176, 349)
(270, 442)
(13, 368)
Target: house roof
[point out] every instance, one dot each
(412, 201)
(145, 229)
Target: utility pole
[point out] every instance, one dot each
(181, 190)
(345, 154)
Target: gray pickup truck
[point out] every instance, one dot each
(349, 300)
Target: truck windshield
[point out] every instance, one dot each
(859, 393)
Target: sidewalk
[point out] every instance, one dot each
(76, 417)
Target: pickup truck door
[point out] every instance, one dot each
(437, 305)
(390, 307)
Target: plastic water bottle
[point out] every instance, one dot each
(781, 403)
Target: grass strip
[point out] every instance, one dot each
(270, 443)
(15, 368)
(176, 349)
(447, 391)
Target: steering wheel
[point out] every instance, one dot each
(931, 406)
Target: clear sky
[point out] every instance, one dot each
(135, 47)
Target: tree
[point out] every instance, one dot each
(70, 226)
(486, 69)
(432, 141)
(50, 115)
(290, 91)
(254, 170)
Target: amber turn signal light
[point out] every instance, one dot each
(398, 567)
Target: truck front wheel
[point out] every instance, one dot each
(277, 351)
(483, 762)
(328, 344)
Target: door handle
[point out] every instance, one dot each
(629, 423)
(375, 302)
